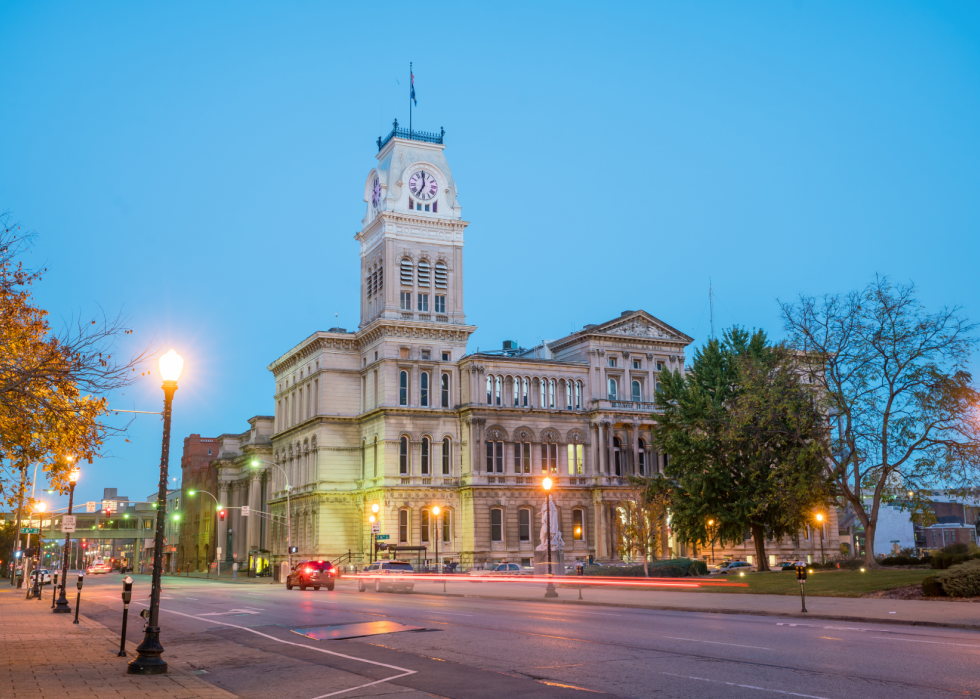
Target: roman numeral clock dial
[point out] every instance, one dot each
(423, 185)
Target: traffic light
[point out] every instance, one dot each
(84, 545)
(106, 512)
(221, 515)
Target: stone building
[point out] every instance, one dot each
(398, 414)
(197, 536)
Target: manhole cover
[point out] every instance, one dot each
(367, 628)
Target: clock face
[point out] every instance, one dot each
(423, 185)
(376, 193)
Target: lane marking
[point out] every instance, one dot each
(744, 686)
(717, 643)
(404, 671)
(939, 643)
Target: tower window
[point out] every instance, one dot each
(440, 304)
(447, 456)
(435, 207)
(426, 207)
(423, 273)
(445, 356)
(403, 388)
(403, 456)
(406, 300)
(424, 303)
(445, 390)
(612, 361)
(442, 275)
(407, 272)
(637, 364)
(424, 393)
(425, 456)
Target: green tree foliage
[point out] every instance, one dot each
(746, 442)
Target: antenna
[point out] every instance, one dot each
(711, 303)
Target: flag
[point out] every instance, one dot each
(413, 89)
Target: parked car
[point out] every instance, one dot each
(382, 583)
(509, 569)
(735, 567)
(315, 574)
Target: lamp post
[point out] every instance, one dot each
(35, 590)
(550, 591)
(711, 524)
(149, 652)
(61, 606)
(436, 511)
(289, 511)
(820, 522)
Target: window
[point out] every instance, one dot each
(660, 366)
(445, 356)
(524, 525)
(447, 456)
(424, 273)
(403, 388)
(543, 390)
(496, 526)
(578, 525)
(551, 393)
(403, 526)
(612, 389)
(440, 304)
(525, 392)
(447, 519)
(617, 457)
(407, 272)
(549, 458)
(495, 457)
(489, 390)
(637, 364)
(578, 395)
(424, 522)
(426, 354)
(424, 303)
(666, 461)
(424, 389)
(517, 391)
(403, 352)
(435, 207)
(636, 391)
(611, 361)
(497, 386)
(403, 456)
(522, 457)
(406, 300)
(445, 390)
(425, 456)
(642, 454)
(442, 275)
(576, 456)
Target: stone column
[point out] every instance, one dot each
(223, 526)
(635, 431)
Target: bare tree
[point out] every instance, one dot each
(903, 413)
(644, 512)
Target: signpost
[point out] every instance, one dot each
(375, 527)
(67, 524)
(90, 506)
(245, 510)
(29, 530)
(383, 537)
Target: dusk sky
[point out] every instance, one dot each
(199, 167)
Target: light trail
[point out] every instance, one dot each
(567, 581)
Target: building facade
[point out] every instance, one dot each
(197, 532)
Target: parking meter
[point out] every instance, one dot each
(81, 579)
(127, 596)
(78, 596)
(801, 577)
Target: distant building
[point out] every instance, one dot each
(196, 546)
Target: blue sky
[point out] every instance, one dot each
(200, 167)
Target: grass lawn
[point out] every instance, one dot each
(823, 583)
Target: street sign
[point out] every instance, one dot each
(218, 551)
(383, 537)
(90, 506)
(375, 527)
(67, 524)
(245, 510)
(30, 530)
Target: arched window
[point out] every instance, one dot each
(403, 526)
(578, 395)
(576, 459)
(613, 389)
(403, 456)
(375, 456)
(445, 390)
(578, 525)
(517, 392)
(423, 273)
(643, 457)
(543, 390)
(551, 393)
(569, 395)
(489, 390)
(496, 525)
(403, 388)
(407, 272)
(424, 390)
(442, 275)
(447, 456)
(617, 457)
(525, 392)
(497, 391)
(425, 456)
(636, 391)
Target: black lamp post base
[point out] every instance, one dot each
(148, 660)
(62, 606)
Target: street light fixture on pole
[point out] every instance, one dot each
(550, 591)
(149, 652)
(711, 523)
(35, 590)
(820, 522)
(289, 511)
(61, 606)
(375, 509)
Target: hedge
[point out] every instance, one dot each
(961, 580)
(931, 587)
(669, 568)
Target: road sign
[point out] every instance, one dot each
(375, 527)
(90, 506)
(218, 551)
(245, 510)
(30, 530)
(383, 537)
(67, 524)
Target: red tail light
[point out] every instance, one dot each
(309, 570)
(333, 571)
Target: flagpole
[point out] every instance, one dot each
(410, 76)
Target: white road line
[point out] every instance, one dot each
(940, 643)
(745, 686)
(717, 643)
(404, 671)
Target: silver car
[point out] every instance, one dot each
(380, 571)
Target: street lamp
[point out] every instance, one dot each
(35, 589)
(550, 591)
(149, 652)
(61, 606)
(289, 510)
(820, 522)
(711, 523)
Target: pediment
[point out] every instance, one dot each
(643, 325)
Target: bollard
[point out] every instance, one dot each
(801, 576)
(127, 595)
(54, 589)
(78, 597)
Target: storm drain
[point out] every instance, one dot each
(367, 628)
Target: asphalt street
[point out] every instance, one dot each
(248, 639)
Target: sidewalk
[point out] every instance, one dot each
(45, 655)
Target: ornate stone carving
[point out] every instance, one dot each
(576, 436)
(640, 328)
(650, 356)
(601, 352)
(550, 434)
(523, 434)
(626, 355)
(496, 433)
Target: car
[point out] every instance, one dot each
(735, 567)
(379, 572)
(315, 574)
(98, 567)
(509, 569)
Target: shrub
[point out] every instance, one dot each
(670, 568)
(961, 580)
(850, 563)
(944, 560)
(901, 561)
(931, 587)
(956, 549)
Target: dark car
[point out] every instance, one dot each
(315, 574)
(380, 573)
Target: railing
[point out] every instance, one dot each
(408, 316)
(442, 481)
(425, 317)
(442, 319)
(608, 404)
(412, 135)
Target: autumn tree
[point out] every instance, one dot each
(642, 525)
(747, 444)
(893, 379)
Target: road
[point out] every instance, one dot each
(248, 639)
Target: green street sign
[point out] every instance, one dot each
(30, 530)
(382, 537)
